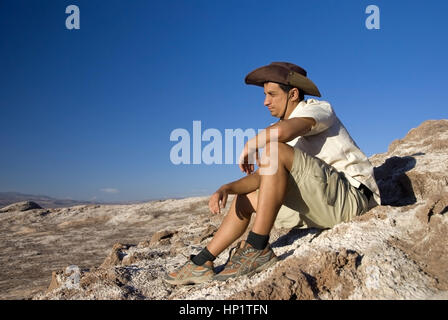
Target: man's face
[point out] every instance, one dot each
(275, 99)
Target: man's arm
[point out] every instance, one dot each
(292, 128)
(282, 131)
(244, 185)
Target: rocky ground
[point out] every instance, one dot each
(395, 251)
(35, 242)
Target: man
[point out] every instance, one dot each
(319, 178)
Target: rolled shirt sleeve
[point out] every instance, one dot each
(320, 111)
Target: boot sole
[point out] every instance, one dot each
(188, 281)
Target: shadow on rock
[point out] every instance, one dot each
(394, 185)
(291, 237)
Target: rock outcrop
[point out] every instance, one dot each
(398, 250)
(21, 206)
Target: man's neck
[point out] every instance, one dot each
(290, 109)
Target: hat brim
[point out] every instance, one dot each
(278, 74)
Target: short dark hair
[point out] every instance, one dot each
(286, 88)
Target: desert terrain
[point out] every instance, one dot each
(398, 250)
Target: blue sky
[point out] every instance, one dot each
(87, 114)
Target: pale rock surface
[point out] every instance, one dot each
(21, 206)
(395, 251)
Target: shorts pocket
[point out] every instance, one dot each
(328, 177)
(331, 192)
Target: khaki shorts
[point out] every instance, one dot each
(318, 196)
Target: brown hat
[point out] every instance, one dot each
(284, 73)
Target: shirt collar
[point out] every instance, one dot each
(299, 105)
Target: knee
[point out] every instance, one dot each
(273, 147)
(278, 150)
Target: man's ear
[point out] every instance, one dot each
(294, 94)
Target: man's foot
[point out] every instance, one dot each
(191, 273)
(246, 260)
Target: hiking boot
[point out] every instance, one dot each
(246, 260)
(190, 273)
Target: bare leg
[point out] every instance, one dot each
(235, 222)
(271, 194)
(273, 189)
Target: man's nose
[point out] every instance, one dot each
(267, 101)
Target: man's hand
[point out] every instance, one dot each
(248, 155)
(218, 200)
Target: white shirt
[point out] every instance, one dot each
(330, 141)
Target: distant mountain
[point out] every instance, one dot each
(7, 198)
